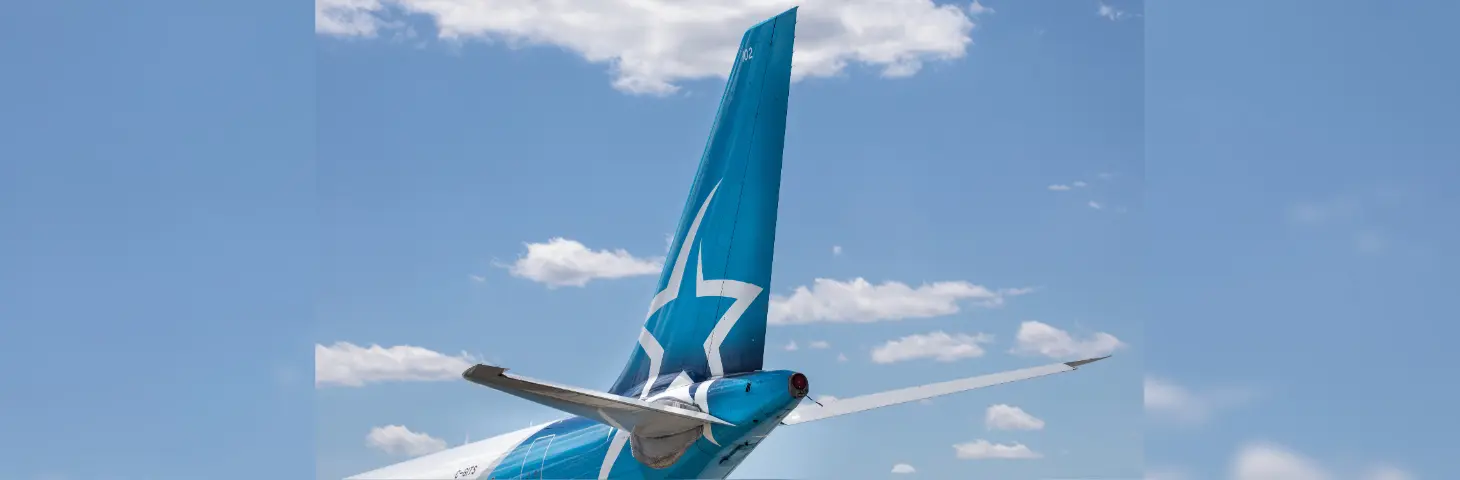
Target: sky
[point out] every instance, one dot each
(508, 200)
(203, 206)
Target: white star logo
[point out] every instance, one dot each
(743, 293)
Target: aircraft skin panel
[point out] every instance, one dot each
(708, 317)
(579, 447)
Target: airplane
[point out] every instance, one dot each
(693, 401)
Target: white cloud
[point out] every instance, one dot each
(350, 365)
(841, 357)
(819, 344)
(791, 347)
(562, 262)
(903, 468)
(1042, 339)
(651, 45)
(1267, 461)
(836, 250)
(477, 278)
(977, 9)
(936, 345)
(1095, 205)
(1110, 12)
(1059, 188)
(859, 301)
(399, 440)
(982, 449)
(1008, 417)
(1079, 183)
(1168, 401)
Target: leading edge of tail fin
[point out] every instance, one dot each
(708, 318)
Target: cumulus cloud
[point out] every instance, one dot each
(399, 440)
(1262, 460)
(977, 9)
(1008, 417)
(561, 262)
(1165, 400)
(1267, 461)
(350, 365)
(652, 45)
(983, 450)
(940, 346)
(903, 468)
(859, 301)
(1042, 339)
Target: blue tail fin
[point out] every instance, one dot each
(709, 316)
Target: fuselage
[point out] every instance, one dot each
(577, 447)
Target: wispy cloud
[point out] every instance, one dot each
(791, 347)
(1059, 187)
(1355, 218)
(819, 344)
(399, 440)
(1038, 338)
(983, 449)
(350, 365)
(836, 250)
(561, 262)
(940, 346)
(1167, 401)
(1111, 13)
(1095, 205)
(860, 301)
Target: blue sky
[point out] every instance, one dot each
(1299, 183)
(194, 196)
(439, 161)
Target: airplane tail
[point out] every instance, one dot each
(708, 318)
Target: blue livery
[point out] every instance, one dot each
(693, 400)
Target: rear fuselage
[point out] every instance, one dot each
(577, 447)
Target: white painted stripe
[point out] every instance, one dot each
(614, 448)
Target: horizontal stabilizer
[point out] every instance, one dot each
(620, 412)
(807, 412)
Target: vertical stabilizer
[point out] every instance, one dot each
(708, 317)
